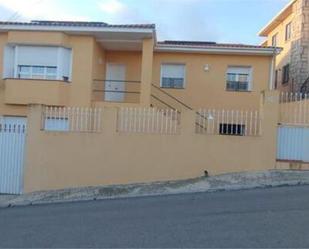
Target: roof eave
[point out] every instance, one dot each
(219, 50)
(6, 28)
(268, 27)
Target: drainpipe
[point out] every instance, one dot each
(272, 70)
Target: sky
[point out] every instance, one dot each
(235, 21)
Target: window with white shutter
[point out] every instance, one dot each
(37, 62)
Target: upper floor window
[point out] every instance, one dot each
(274, 40)
(276, 79)
(173, 76)
(37, 72)
(238, 79)
(37, 62)
(288, 31)
(286, 74)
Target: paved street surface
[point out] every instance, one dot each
(257, 218)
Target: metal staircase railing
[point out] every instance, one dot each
(179, 102)
(170, 96)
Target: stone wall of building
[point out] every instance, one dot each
(299, 67)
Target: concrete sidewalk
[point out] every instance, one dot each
(226, 182)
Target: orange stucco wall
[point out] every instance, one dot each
(207, 88)
(22, 92)
(54, 159)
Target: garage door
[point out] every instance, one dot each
(293, 143)
(12, 143)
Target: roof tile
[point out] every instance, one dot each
(79, 24)
(208, 44)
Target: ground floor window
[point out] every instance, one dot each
(232, 129)
(286, 74)
(56, 124)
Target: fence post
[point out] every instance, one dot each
(146, 74)
(34, 118)
(34, 125)
(187, 122)
(109, 120)
(269, 110)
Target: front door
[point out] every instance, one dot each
(114, 84)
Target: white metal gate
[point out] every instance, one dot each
(293, 143)
(12, 143)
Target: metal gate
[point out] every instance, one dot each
(12, 143)
(293, 143)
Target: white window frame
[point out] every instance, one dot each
(288, 31)
(274, 39)
(250, 85)
(31, 74)
(173, 64)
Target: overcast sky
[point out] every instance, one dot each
(203, 20)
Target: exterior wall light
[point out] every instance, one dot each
(206, 67)
(210, 117)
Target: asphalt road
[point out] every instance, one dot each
(258, 218)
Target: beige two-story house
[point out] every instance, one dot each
(95, 64)
(210, 99)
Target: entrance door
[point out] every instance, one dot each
(114, 84)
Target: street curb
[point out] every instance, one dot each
(226, 182)
(37, 203)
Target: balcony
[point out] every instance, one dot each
(33, 91)
(116, 91)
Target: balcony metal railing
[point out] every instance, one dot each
(116, 91)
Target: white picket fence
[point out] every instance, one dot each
(294, 108)
(72, 119)
(148, 120)
(12, 141)
(228, 122)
